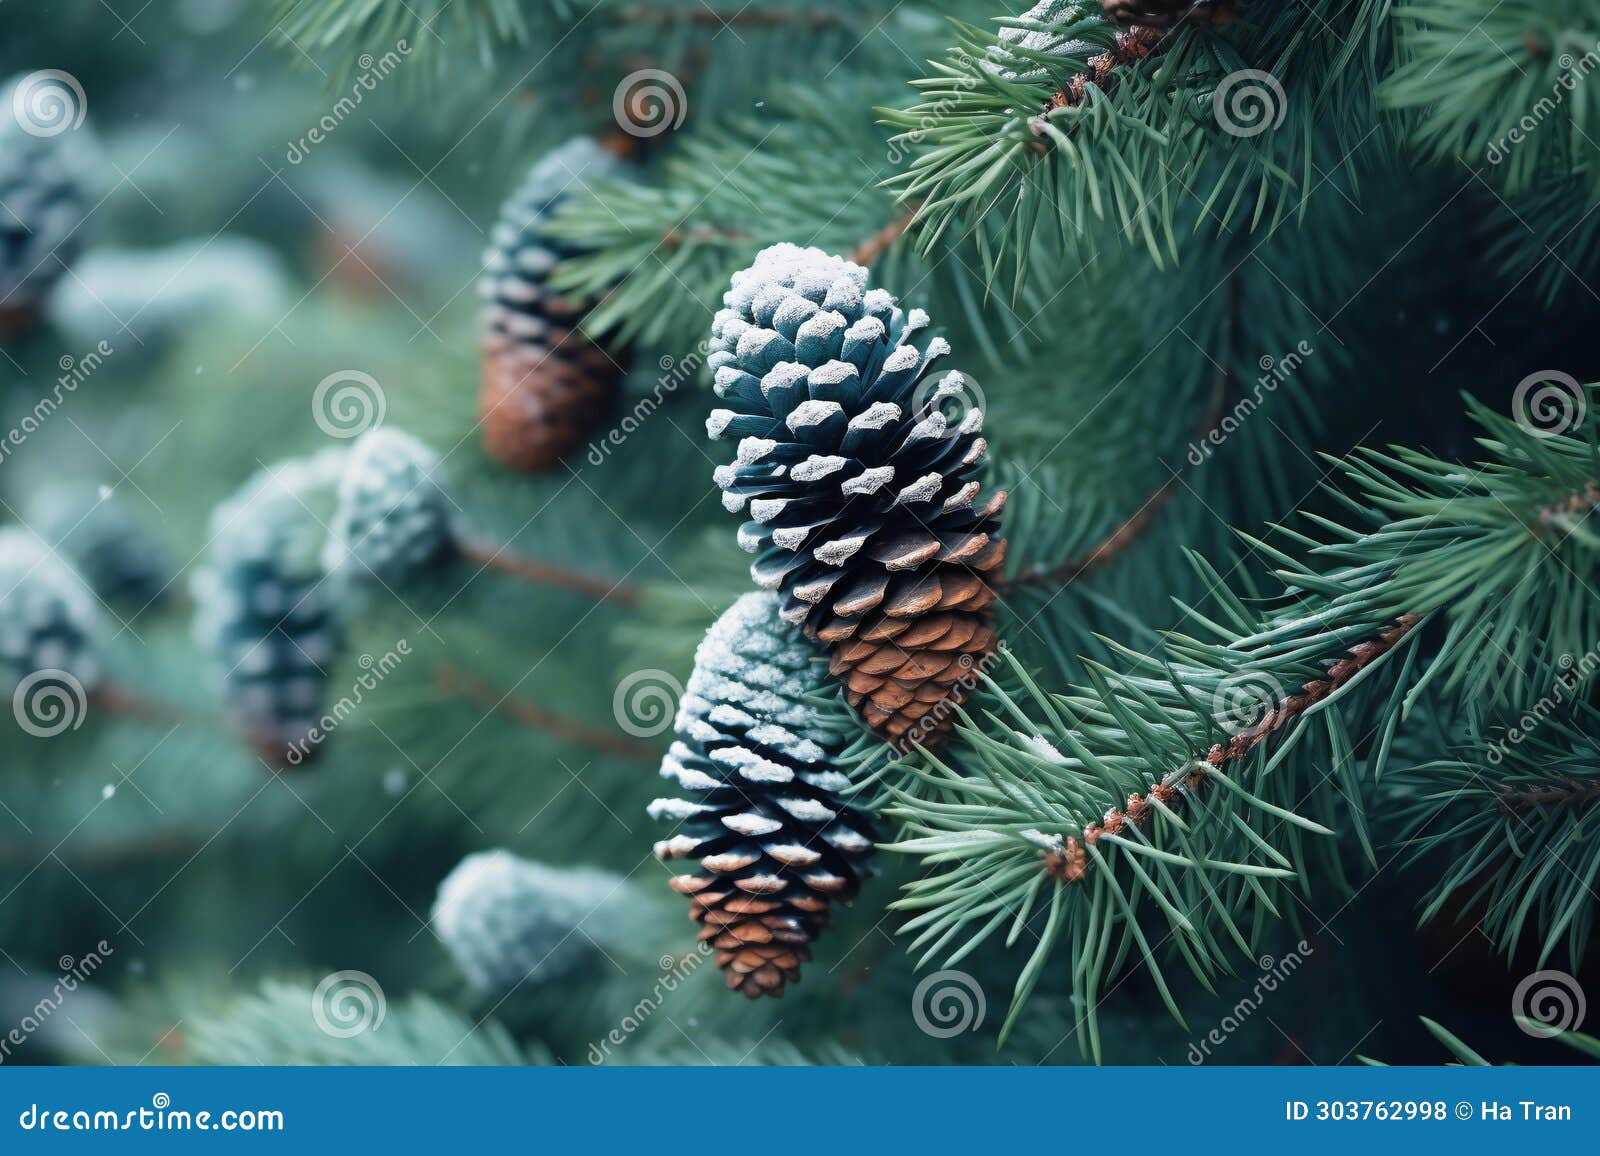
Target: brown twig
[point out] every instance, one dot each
(873, 247)
(449, 680)
(1068, 863)
(1112, 546)
(105, 853)
(492, 557)
(1567, 792)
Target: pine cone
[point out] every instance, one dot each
(393, 520)
(764, 815)
(863, 495)
(122, 561)
(507, 921)
(264, 611)
(48, 620)
(42, 209)
(545, 385)
(1166, 13)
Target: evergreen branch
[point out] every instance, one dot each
(451, 681)
(1512, 823)
(495, 558)
(1444, 541)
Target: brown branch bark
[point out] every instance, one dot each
(1068, 863)
(455, 682)
(1113, 545)
(1568, 792)
(873, 247)
(492, 557)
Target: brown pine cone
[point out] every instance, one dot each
(545, 385)
(763, 810)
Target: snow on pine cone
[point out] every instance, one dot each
(545, 385)
(863, 495)
(42, 209)
(506, 921)
(393, 520)
(48, 618)
(263, 610)
(762, 809)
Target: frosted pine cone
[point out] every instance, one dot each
(762, 809)
(862, 491)
(545, 385)
(393, 520)
(48, 618)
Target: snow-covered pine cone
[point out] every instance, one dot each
(48, 618)
(864, 500)
(762, 809)
(42, 208)
(545, 385)
(393, 520)
(264, 611)
(123, 562)
(506, 920)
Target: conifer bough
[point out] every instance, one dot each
(863, 493)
